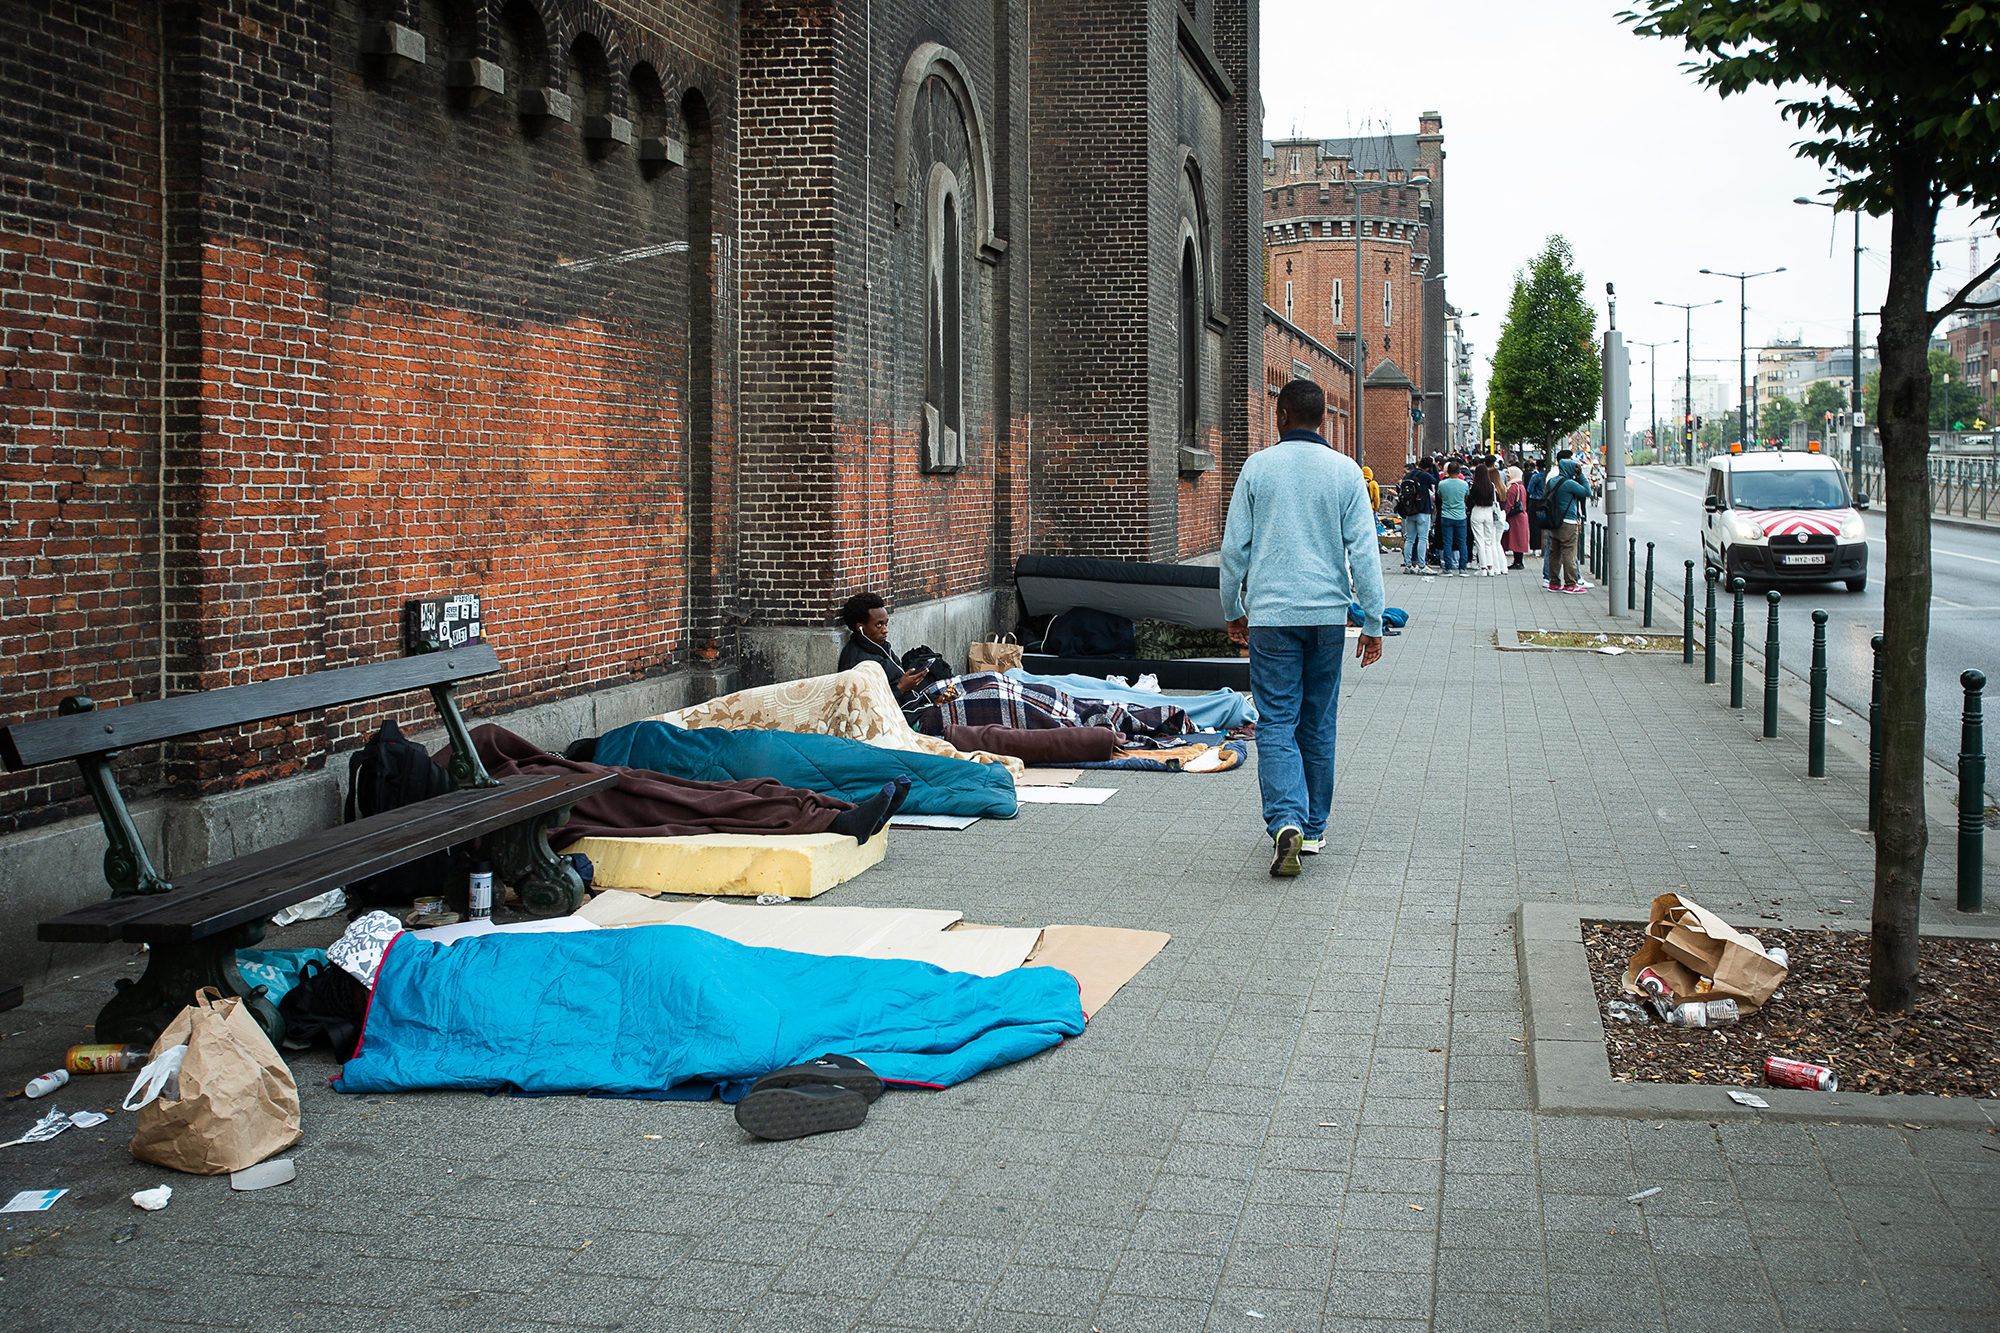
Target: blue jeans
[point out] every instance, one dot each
(1295, 678)
(1457, 537)
(1416, 531)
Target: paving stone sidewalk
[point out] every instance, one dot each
(1310, 1112)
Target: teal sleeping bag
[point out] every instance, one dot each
(675, 1012)
(833, 765)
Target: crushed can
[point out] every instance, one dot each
(1782, 1073)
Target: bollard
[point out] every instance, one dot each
(1708, 629)
(1816, 725)
(1687, 618)
(1972, 798)
(1771, 666)
(1632, 574)
(1875, 737)
(1648, 622)
(1736, 646)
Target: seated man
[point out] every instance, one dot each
(867, 619)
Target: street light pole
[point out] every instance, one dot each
(1743, 345)
(1653, 367)
(1687, 309)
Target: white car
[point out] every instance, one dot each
(1783, 516)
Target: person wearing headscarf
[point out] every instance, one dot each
(1514, 506)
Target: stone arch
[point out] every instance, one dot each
(1195, 216)
(933, 59)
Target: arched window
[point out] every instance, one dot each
(1190, 343)
(944, 374)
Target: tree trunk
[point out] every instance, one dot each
(1901, 833)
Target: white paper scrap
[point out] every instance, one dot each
(953, 822)
(1742, 1098)
(1611, 651)
(87, 1119)
(1064, 795)
(1642, 1194)
(32, 1201)
(154, 1199)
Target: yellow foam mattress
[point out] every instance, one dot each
(801, 865)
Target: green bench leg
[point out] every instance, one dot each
(141, 1009)
(522, 858)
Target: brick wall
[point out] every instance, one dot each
(1287, 351)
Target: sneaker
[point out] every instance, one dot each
(838, 1071)
(1117, 680)
(1553, 586)
(1149, 682)
(1285, 859)
(1578, 588)
(794, 1112)
(1312, 846)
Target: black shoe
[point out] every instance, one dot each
(793, 1113)
(837, 1071)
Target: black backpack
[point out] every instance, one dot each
(327, 1003)
(385, 774)
(1552, 504)
(1410, 497)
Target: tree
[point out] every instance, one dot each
(1953, 397)
(1822, 397)
(1899, 97)
(1775, 423)
(1545, 366)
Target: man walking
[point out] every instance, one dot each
(1299, 549)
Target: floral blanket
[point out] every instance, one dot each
(856, 703)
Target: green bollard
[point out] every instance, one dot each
(1736, 646)
(1632, 574)
(1708, 629)
(1816, 724)
(1687, 618)
(1972, 798)
(1875, 737)
(1771, 666)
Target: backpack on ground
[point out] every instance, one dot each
(1410, 497)
(385, 774)
(327, 1005)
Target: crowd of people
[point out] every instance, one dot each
(1465, 515)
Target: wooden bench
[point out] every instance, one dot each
(194, 925)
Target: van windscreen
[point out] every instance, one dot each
(1792, 488)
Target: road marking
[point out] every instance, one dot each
(1939, 550)
(1655, 481)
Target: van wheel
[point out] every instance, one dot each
(1858, 585)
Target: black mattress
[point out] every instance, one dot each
(1178, 594)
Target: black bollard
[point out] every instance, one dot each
(1736, 646)
(1875, 737)
(1687, 618)
(1648, 622)
(1712, 574)
(1972, 798)
(1632, 574)
(1816, 725)
(1771, 666)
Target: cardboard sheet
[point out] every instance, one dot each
(952, 822)
(736, 864)
(1047, 777)
(1063, 795)
(1101, 958)
(484, 926)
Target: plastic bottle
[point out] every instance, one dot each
(1776, 953)
(479, 892)
(99, 1059)
(47, 1083)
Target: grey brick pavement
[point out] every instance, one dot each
(1310, 1112)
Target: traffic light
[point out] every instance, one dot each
(1690, 428)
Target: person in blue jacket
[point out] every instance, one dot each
(1572, 494)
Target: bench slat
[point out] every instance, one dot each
(48, 740)
(221, 897)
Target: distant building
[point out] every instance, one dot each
(1710, 399)
(1974, 340)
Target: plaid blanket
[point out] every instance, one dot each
(986, 699)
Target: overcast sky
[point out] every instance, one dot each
(1558, 119)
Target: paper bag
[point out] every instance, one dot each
(1686, 942)
(236, 1102)
(1000, 652)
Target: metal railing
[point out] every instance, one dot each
(1962, 485)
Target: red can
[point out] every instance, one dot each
(1782, 1073)
(1652, 983)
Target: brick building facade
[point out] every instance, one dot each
(1290, 353)
(662, 324)
(1311, 188)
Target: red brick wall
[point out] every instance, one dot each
(1285, 344)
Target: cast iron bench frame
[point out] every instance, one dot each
(194, 927)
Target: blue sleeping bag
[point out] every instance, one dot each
(1218, 710)
(675, 1012)
(833, 765)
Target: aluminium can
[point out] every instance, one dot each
(1780, 1072)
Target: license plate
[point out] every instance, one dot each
(1803, 559)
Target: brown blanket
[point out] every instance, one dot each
(653, 805)
(1040, 745)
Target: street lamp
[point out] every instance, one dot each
(1743, 344)
(1653, 363)
(1687, 309)
(1360, 339)
(1854, 384)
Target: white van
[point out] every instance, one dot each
(1783, 516)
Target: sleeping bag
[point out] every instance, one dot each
(833, 765)
(674, 1012)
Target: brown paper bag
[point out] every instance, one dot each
(237, 1103)
(1686, 942)
(1000, 652)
